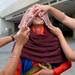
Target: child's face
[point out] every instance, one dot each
(38, 21)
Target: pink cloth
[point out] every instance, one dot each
(31, 13)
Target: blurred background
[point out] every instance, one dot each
(11, 13)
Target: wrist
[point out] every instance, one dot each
(12, 37)
(20, 43)
(49, 7)
(60, 36)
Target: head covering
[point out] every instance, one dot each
(31, 13)
(41, 48)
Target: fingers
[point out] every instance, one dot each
(27, 32)
(43, 67)
(36, 9)
(24, 28)
(50, 26)
(37, 12)
(38, 73)
(36, 5)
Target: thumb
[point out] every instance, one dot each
(27, 31)
(23, 28)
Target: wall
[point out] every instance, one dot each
(5, 51)
(17, 5)
(6, 28)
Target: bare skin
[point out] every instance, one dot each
(70, 54)
(5, 40)
(66, 20)
(21, 38)
(38, 21)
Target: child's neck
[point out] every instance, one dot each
(37, 26)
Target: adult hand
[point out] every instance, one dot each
(44, 72)
(22, 35)
(28, 16)
(44, 7)
(55, 30)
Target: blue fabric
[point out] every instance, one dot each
(26, 65)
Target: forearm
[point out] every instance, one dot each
(13, 61)
(21, 38)
(5, 40)
(66, 48)
(56, 13)
(66, 20)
